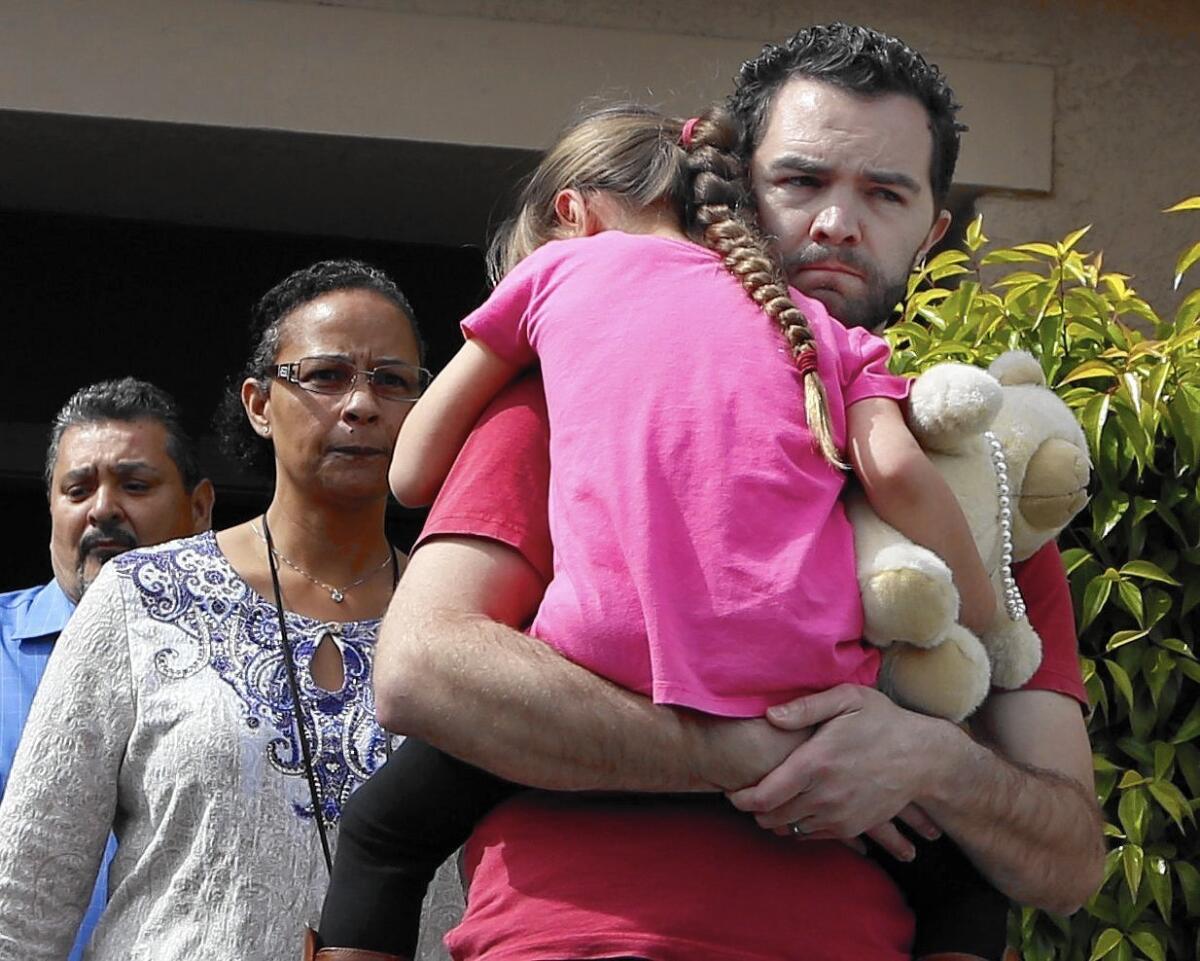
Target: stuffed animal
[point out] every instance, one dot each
(1016, 460)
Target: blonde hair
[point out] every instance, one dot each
(635, 154)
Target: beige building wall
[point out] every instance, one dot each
(1081, 110)
(1126, 115)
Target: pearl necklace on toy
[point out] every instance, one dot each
(1014, 604)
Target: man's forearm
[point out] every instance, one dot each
(450, 672)
(1034, 833)
(503, 701)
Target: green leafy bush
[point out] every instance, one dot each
(1133, 379)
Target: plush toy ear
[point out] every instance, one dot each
(1017, 367)
(950, 403)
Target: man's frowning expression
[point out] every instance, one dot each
(114, 487)
(842, 184)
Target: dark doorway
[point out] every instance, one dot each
(87, 298)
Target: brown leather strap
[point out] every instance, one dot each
(313, 953)
(1010, 954)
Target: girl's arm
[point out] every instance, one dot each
(437, 427)
(908, 493)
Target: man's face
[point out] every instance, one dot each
(842, 185)
(115, 487)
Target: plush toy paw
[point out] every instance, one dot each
(949, 680)
(908, 595)
(1015, 651)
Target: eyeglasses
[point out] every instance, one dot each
(327, 375)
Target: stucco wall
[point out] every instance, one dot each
(1126, 126)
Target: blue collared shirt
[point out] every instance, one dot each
(30, 622)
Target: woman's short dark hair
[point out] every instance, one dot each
(238, 439)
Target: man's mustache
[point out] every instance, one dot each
(107, 533)
(822, 254)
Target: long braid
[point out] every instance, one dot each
(714, 216)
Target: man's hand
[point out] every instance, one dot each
(861, 768)
(1022, 806)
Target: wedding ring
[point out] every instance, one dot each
(797, 829)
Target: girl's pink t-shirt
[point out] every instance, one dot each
(702, 556)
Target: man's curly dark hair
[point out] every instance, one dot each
(859, 60)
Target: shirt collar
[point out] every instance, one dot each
(46, 615)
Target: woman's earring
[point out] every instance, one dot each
(266, 430)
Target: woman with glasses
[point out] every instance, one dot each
(210, 701)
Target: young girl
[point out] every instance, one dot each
(698, 414)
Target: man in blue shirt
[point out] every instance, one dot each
(120, 473)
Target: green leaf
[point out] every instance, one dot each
(1148, 570)
(1164, 757)
(1136, 750)
(1073, 557)
(1073, 238)
(1103, 907)
(1192, 203)
(1158, 877)
(1190, 728)
(1189, 669)
(1189, 883)
(1158, 605)
(1157, 669)
(1131, 599)
(1121, 681)
(1094, 599)
(1093, 418)
(1188, 759)
(1089, 369)
(1131, 811)
(1042, 250)
(1185, 262)
(1131, 779)
(1171, 800)
(1004, 256)
(1121, 638)
(1175, 645)
(1149, 945)
(974, 237)
(1106, 943)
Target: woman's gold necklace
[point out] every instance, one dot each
(337, 595)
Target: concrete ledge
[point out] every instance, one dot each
(378, 74)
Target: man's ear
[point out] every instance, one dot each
(571, 212)
(202, 504)
(941, 224)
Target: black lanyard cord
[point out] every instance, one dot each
(294, 687)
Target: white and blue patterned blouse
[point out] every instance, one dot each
(165, 713)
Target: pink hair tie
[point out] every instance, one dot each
(806, 361)
(685, 135)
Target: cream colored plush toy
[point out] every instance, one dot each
(1016, 459)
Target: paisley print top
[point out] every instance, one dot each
(165, 714)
